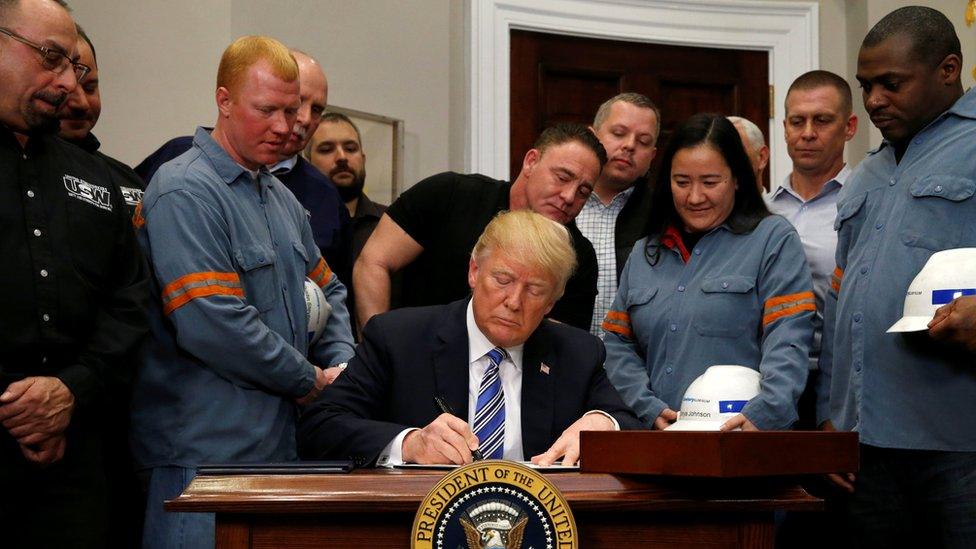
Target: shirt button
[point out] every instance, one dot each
(30, 194)
(46, 317)
(938, 188)
(864, 270)
(857, 317)
(697, 251)
(43, 360)
(674, 327)
(891, 181)
(44, 273)
(879, 226)
(725, 285)
(857, 365)
(669, 369)
(681, 288)
(37, 232)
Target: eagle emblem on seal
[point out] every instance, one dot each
(494, 524)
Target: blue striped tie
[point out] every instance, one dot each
(489, 417)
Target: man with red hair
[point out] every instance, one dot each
(230, 247)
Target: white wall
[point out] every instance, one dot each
(158, 62)
(157, 65)
(404, 59)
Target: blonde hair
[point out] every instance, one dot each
(531, 239)
(248, 50)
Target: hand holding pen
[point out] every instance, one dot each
(446, 440)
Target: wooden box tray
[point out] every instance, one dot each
(719, 454)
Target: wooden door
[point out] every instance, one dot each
(556, 78)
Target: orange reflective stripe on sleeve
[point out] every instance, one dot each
(186, 288)
(786, 305)
(137, 220)
(321, 273)
(835, 279)
(618, 322)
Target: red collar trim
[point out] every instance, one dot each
(673, 240)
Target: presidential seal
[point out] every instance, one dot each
(494, 504)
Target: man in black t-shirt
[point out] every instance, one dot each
(430, 230)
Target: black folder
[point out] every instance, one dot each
(283, 468)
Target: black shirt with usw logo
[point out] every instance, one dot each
(74, 285)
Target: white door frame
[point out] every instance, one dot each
(787, 30)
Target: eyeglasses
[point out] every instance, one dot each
(51, 59)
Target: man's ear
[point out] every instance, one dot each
(472, 272)
(224, 101)
(763, 158)
(950, 70)
(529, 161)
(851, 127)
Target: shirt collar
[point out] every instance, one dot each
(284, 166)
(225, 166)
(479, 345)
(622, 196)
(836, 182)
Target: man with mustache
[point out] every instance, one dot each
(74, 292)
(336, 149)
(909, 396)
(224, 370)
(80, 113)
(614, 214)
(428, 231)
(330, 222)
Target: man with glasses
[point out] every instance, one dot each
(73, 288)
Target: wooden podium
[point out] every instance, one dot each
(375, 508)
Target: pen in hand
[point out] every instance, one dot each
(443, 406)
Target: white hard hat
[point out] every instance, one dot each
(317, 310)
(946, 275)
(715, 396)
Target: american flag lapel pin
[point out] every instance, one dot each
(544, 368)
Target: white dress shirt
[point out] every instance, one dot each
(510, 372)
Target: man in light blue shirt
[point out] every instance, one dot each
(910, 397)
(819, 122)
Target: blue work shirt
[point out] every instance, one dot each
(327, 213)
(229, 251)
(901, 390)
(742, 299)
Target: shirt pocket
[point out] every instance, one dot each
(302, 257)
(726, 307)
(938, 205)
(257, 262)
(847, 210)
(639, 309)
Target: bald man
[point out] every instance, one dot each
(755, 145)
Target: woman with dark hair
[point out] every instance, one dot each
(718, 280)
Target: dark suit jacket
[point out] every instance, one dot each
(409, 355)
(630, 226)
